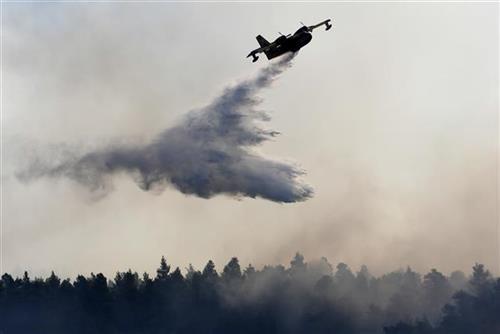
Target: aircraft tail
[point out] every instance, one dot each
(262, 41)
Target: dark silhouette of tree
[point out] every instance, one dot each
(209, 272)
(162, 272)
(304, 298)
(53, 281)
(297, 265)
(344, 275)
(249, 272)
(437, 292)
(362, 285)
(481, 279)
(232, 270)
(190, 272)
(126, 292)
(406, 302)
(473, 311)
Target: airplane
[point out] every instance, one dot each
(288, 43)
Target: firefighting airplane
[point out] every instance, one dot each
(288, 43)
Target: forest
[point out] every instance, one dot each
(312, 297)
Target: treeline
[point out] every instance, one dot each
(302, 298)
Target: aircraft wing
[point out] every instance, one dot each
(260, 50)
(325, 22)
(266, 48)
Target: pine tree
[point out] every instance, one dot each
(162, 272)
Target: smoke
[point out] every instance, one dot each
(208, 153)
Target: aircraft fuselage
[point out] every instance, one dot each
(293, 43)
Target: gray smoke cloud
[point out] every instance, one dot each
(208, 153)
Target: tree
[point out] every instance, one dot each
(8, 281)
(81, 284)
(363, 278)
(344, 273)
(271, 300)
(481, 279)
(297, 265)
(176, 277)
(232, 270)
(26, 278)
(249, 271)
(191, 272)
(344, 276)
(437, 292)
(53, 281)
(127, 306)
(362, 284)
(318, 269)
(127, 285)
(405, 303)
(162, 272)
(209, 271)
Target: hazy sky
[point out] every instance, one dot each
(392, 114)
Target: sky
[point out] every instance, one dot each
(392, 114)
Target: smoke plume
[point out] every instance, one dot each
(208, 153)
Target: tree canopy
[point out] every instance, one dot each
(306, 297)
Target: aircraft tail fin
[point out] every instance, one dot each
(262, 41)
